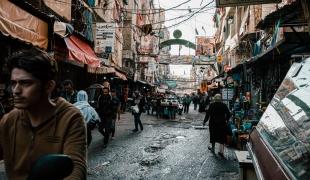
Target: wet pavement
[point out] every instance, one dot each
(165, 149)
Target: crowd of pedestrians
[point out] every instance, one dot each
(55, 120)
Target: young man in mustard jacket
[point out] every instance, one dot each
(39, 125)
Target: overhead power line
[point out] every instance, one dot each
(200, 10)
(161, 10)
(181, 16)
(189, 16)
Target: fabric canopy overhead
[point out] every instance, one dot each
(100, 70)
(62, 8)
(22, 25)
(106, 70)
(81, 51)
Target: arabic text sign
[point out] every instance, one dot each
(105, 36)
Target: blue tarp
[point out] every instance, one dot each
(88, 32)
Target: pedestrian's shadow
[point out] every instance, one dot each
(135, 133)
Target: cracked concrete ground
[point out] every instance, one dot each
(165, 149)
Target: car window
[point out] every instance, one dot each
(285, 125)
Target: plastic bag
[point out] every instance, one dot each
(135, 109)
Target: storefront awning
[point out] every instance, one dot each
(22, 25)
(284, 48)
(100, 70)
(106, 70)
(290, 14)
(269, 54)
(81, 51)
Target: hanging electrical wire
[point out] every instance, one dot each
(161, 10)
(205, 6)
(181, 16)
(191, 14)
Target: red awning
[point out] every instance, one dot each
(81, 51)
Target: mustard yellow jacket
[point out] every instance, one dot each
(22, 144)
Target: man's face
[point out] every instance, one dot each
(68, 88)
(105, 92)
(27, 90)
(113, 94)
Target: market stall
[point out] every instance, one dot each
(169, 107)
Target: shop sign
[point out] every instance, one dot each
(146, 59)
(232, 3)
(147, 44)
(105, 38)
(227, 93)
(219, 59)
(151, 66)
(205, 46)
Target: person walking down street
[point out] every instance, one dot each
(195, 101)
(116, 104)
(106, 112)
(123, 98)
(137, 110)
(70, 93)
(206, 101)
(201, 107)
(186, 102)
(159, 108)
(148, 103)
(89, 113)
(39, 125)
(218, 115)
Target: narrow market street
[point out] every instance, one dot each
(165, 149)
(69, 67)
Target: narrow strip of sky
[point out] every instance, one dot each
(188, 27)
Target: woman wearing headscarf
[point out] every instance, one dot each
(218, 115)
(89, 113)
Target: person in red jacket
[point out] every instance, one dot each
(39, 125)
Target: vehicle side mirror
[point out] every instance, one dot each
(51, 167)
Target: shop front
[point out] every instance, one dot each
(74, 55)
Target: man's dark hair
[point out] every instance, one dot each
(34, 61)
(68, 82)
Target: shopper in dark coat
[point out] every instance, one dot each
(106, 111)
(218, 115)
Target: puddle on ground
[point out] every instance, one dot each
(180, 137)
(162, 141)
(150, 160)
